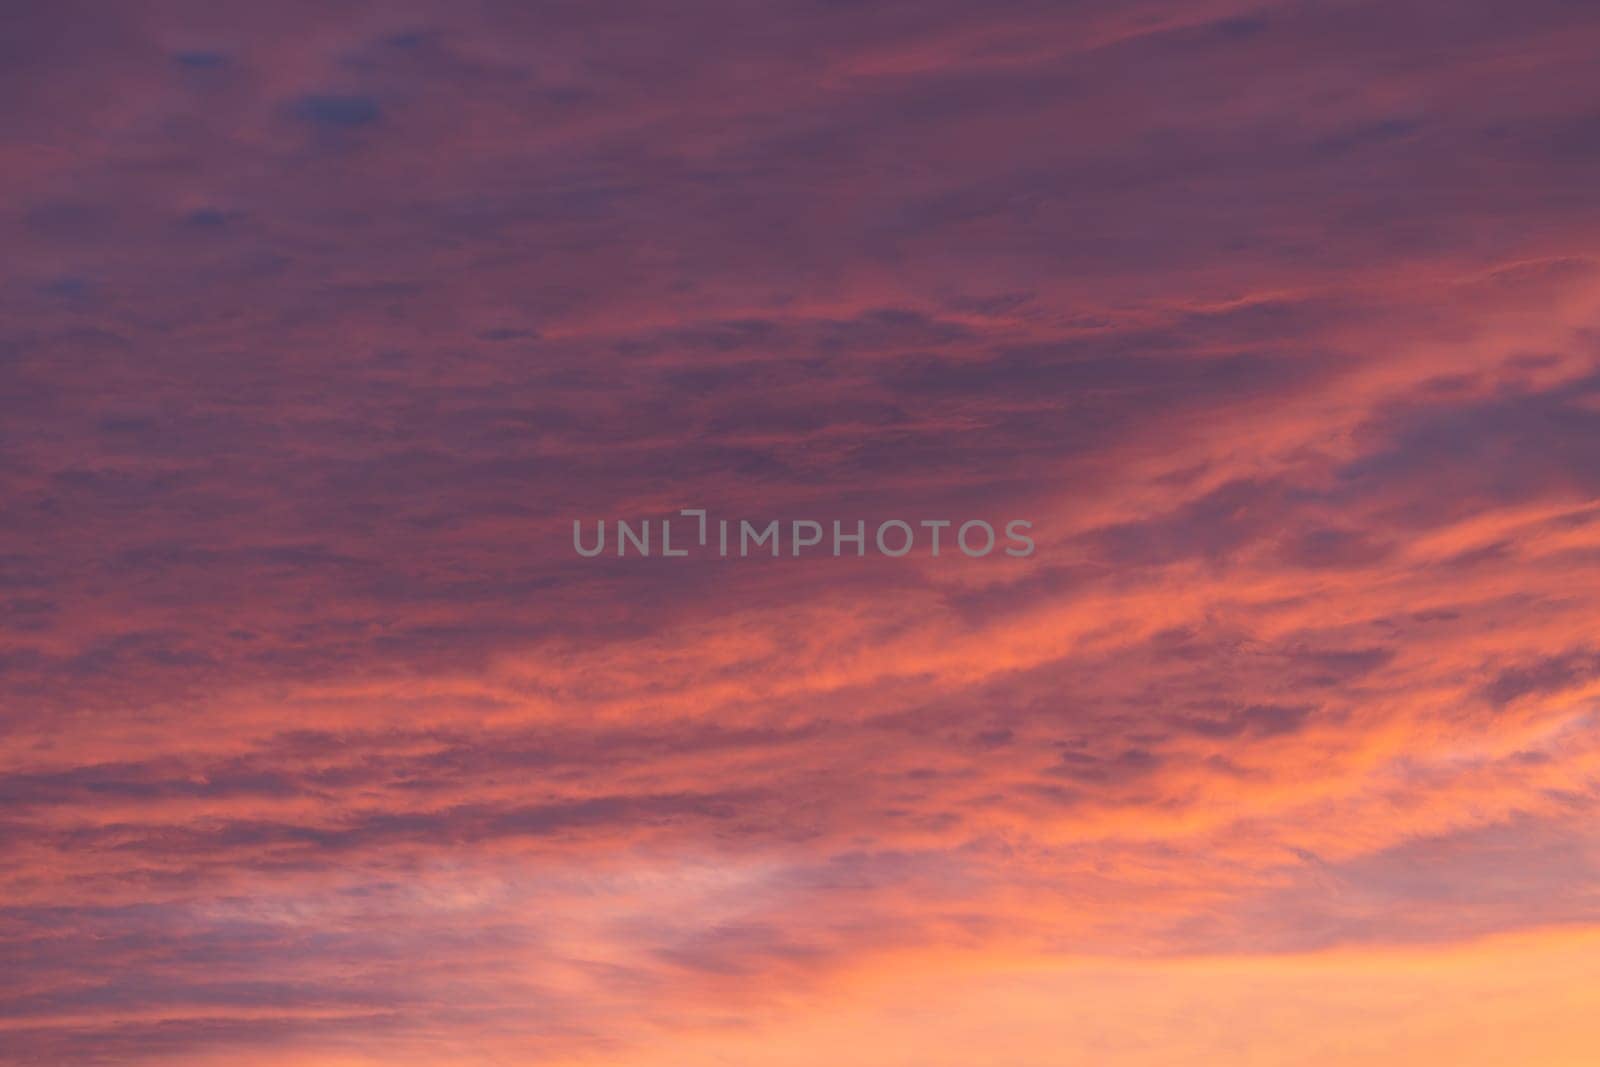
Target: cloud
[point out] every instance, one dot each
(1279, 323)
(326, 109)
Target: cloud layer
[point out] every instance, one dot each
(321, 326)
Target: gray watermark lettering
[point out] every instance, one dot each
(892, 538)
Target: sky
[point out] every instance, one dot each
(322, 323)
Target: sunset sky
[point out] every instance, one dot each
(321, 323)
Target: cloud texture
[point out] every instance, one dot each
(321, 323)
